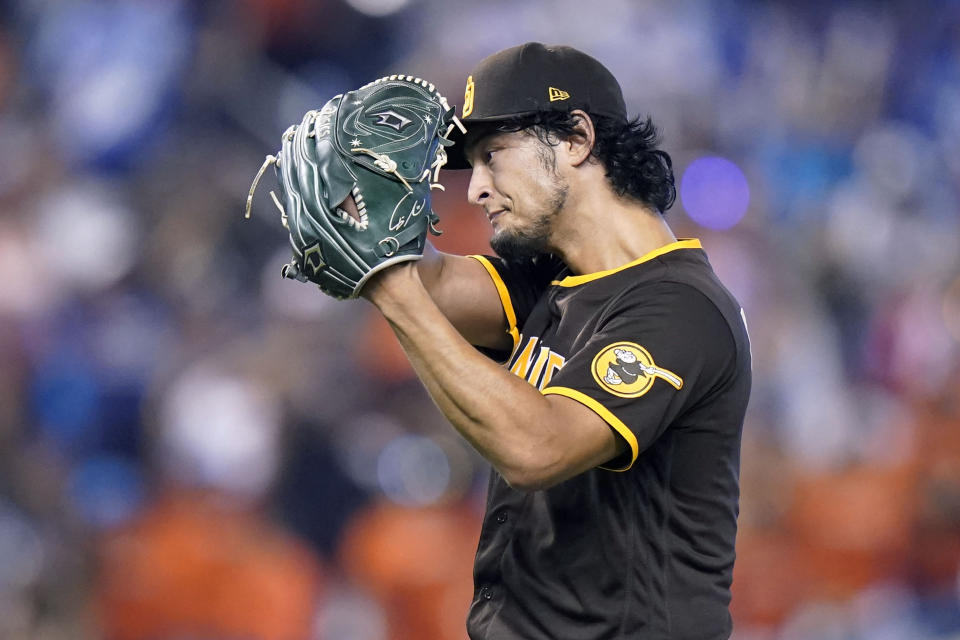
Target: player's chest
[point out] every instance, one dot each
(552, 334)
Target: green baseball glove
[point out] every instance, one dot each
(355, 181)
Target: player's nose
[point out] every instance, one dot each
(480, 187)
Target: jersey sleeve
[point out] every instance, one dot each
(520, 284)
(652, 358)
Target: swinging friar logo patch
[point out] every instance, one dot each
(627, 370)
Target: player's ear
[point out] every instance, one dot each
(580, 143)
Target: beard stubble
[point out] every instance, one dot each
(533, 241)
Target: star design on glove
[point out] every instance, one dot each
(355, 142)
(427, 119)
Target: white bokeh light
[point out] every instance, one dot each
(413, 470)
(220, 431)
(87, 234)
(378, 8)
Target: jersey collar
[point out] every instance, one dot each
(686, 243)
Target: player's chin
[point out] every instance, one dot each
(514, 246)
(498, 223)
(501, 238)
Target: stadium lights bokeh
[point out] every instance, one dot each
(714, 192)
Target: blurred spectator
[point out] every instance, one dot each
(416, 562)
(194, 565)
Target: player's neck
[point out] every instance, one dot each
(598, 230)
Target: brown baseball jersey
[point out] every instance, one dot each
(643, 546)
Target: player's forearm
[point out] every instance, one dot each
(430, 266)
(494, 410)
(464, 293)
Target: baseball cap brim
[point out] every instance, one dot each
(456, 154)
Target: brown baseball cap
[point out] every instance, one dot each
(531, 78)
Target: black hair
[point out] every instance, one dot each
(635, 167)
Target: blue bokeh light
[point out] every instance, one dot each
(106, 490)
(714, 192)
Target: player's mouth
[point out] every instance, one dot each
(493, 215)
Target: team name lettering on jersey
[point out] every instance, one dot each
(535, 363)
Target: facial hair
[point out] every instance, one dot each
(532, 241)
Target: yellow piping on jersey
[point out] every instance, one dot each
(504, 299)
(572, 281)
(604, 413)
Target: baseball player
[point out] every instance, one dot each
(597, 362)
(614, 424)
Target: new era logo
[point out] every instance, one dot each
(557, 94)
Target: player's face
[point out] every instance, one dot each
(516, 181)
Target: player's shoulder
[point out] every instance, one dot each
(700, 301)
(682, 289)
(670, 299)
(691, 272)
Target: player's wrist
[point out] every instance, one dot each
(393, 287)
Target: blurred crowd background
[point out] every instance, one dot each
(193, 448)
